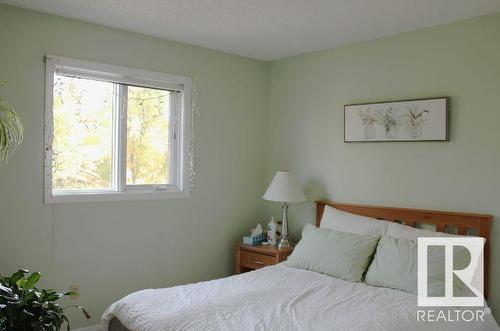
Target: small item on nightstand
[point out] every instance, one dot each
(271, 232)
(257, 231)
(247, 240)
(256, 237)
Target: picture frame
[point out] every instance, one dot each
(401, 120)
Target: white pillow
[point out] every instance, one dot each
(342, 221)
(400, 231)
(397, 230)
(339, 254)
(395, 265)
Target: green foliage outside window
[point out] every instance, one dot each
(83, 134)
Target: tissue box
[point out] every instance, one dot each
(247, 240)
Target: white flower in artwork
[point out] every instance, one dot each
(414, 122)
(368, 119)
(388, 119)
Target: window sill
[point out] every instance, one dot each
(114, 196)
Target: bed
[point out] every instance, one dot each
(307, 300)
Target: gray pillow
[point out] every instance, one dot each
(338, 254)
(395, 266)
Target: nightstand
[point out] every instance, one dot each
(255, 257)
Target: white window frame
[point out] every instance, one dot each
(179, 154)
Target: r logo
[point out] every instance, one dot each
(474, 271)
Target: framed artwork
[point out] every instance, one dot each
(405, 120)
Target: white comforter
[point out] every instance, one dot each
(275, 298)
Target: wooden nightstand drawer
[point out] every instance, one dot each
(255, 257)
(255, 260)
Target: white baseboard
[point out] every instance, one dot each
(89, 328)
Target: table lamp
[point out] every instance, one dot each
(284, 188)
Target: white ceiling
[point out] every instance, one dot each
(265, 29)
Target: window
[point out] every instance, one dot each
(114, 133)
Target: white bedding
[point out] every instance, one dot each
(275, 298)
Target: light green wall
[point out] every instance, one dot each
(111, 249)
(293, 107)
(460, 60)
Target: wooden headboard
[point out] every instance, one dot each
(464, 223)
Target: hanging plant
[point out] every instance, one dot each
(11, 129)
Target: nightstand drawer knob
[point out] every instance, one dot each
(258, 262)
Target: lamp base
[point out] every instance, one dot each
(284, 243)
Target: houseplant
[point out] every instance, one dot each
(11, 129)
(25, 307)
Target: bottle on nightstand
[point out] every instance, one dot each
(271, 232)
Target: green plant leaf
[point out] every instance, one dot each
(32, 280)
(20, 282)
(17, 275)
(5, 291)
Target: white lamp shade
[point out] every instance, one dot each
(284, 188)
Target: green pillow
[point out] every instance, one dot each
(395, 266)
(338, 254)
